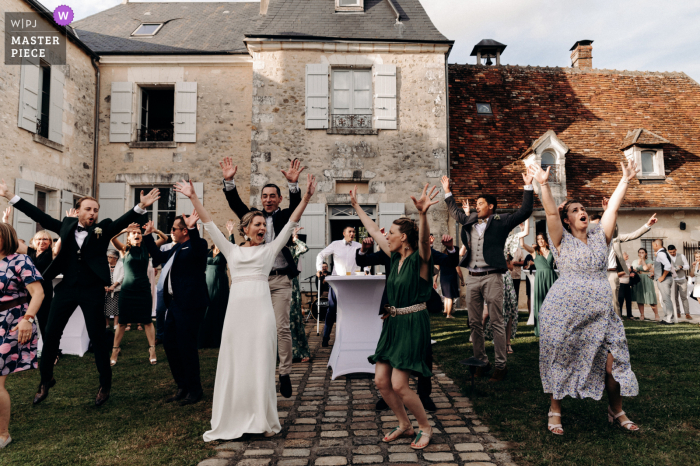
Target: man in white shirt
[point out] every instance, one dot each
(662, 270)
(343, 252)
(681, 265)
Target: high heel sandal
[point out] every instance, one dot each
(614, 419)
(153, 361)
(113, 362)
(402, 433)
(420, 435)
(553, 427)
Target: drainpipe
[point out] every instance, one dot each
(97, 127)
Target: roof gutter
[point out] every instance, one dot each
(96, 124)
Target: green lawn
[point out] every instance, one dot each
(135, 427)
(666, 360)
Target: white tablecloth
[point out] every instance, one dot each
(75, 338)
(358, 325)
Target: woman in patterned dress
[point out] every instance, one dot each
(583, 347)
(18, 338)
(300, 345)
(116, 277)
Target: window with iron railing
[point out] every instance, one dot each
(157, 114)
(352, 99)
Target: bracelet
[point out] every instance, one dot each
(625, 180)
(546, 183)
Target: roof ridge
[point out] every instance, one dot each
(585, 70)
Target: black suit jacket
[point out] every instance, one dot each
(497, 229)
(94, 249)
(279, 219)
(187, 273)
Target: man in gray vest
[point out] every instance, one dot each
(484, 234)
(662, 269)
(680, 263)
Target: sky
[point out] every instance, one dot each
(642, 35)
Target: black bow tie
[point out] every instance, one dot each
(80, 228)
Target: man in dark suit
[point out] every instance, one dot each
(186, 298)
(83, 263)
(284, 268)
(484, 234)
(364, 257)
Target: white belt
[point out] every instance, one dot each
(394, 311)
(249, 278)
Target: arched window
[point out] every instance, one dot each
(549, 160)
(648, 162)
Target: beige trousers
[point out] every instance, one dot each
(615, 286)
(281, 293)
(489, 289)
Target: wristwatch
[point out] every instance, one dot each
(29, 318)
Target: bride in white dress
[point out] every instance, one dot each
(245, 398)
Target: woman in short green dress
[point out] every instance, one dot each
(545, 276)
(644, 292)
(405, 335)
(300, 345)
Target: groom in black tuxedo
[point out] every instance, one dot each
(83, 263)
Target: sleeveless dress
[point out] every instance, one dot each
(405, 339)
(217, 285)
(300, 345)
(579, 326)
(544, 279)
(644, 291)
(135, 300)
(245, 396)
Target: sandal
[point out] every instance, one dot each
(556, 429)
(510, 349)
(128, 327)
(614, 419)
(139, 328)
(113, 362)
(401, 433)
(153, 360)
(305, 359)
(420, 435)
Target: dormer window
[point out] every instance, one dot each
(350, 5)
(548, 151)
(646, 149)
(147, 29)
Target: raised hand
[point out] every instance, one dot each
(445, 184)
(133, 228)
(605, 202)
(228, 169)
(6, 215)
(527, 176)
(296, 231)
(448, 242)
(367, 244)
(185, 187)
(72, 212)
(149, 228)
(294, 171)
(353, 196)
(465, 207)
(149, 199)
(310, 185)
(629, 172)
(191, 221)
(426, 199)
(652, 220)
(535, 172)
(4, 192)
(229, 226)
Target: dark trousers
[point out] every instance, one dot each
(180, 344)
(331, 315)
(42, 315)
(91, 300)
(516, 287)
(625, 294)
(424, 386)
(161, 308)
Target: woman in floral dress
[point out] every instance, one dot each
(583, 347)
(300, 345)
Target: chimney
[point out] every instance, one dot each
(487, 49)
(263, 6)
(582, 54)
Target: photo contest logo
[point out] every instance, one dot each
(35, 39)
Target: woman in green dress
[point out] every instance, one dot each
(300, 345)
(545, 275)
(644, 291)
(405, 336)
(135, 299)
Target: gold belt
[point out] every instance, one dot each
(399, 311)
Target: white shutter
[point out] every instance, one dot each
(29, 94)
(66, 203)
(112, 200)
(314, 223)
(385, 96)
(120, 112)
(185, 112)
(316, 96)
(25, 226)
(56, 105)
(183, 205)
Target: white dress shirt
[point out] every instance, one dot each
(481, 226)
(343, 253)
(663, 259)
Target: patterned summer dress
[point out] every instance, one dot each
(578, 325)
(16, 272)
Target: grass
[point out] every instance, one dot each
(665, 360)
(135, 427)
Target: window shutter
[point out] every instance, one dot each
(316, 96)
(183, 205)
(29, 94)
(56, 105)
(120, 112)
(314, 223)
(385, 96)
(112, 200)
(185, 113)
(25, 226)
(66, 203)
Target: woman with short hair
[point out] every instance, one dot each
(116, 275)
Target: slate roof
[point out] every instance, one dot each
(318, 19)
(190, 28)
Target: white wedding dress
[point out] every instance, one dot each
(245, 398)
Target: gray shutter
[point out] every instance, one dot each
(316, 96)
(120, 112)
(29, 94)
(185, 126)
(56, 105)
(25, 226)
(66, 203)
(183, 205)
(314, 223)
(385, 96)
(112, 200)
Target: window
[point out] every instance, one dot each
(42, 122)
(162, 212)
(352, 99)
(349, 5)
(147, 29)
(41, 204)
(157, 114)
(648, 162)
(646, 244)
(484, 109)
(549, 160)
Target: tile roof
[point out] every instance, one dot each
(191, 27)
(591, 111)
(642, 137)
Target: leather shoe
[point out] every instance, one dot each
(181, 393)
(324, 343)
(381, 405)
(191, 398)
(428, 404)
(482, 371)
(285, 386)
(498, 375)
(43, 391)
(102, 397)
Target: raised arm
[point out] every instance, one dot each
(459, 214)
(423, 204)
(187, 188)
(162, 238)
(525, 210)
(525, 246)
(219, 239)
(118, 244)
(292, 176)
(556, 229)
(372, 228)
(609, 219)
(310, 190)
(158, 256)
(234, 200)
(46, 221)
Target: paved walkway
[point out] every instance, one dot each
(333, 422)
